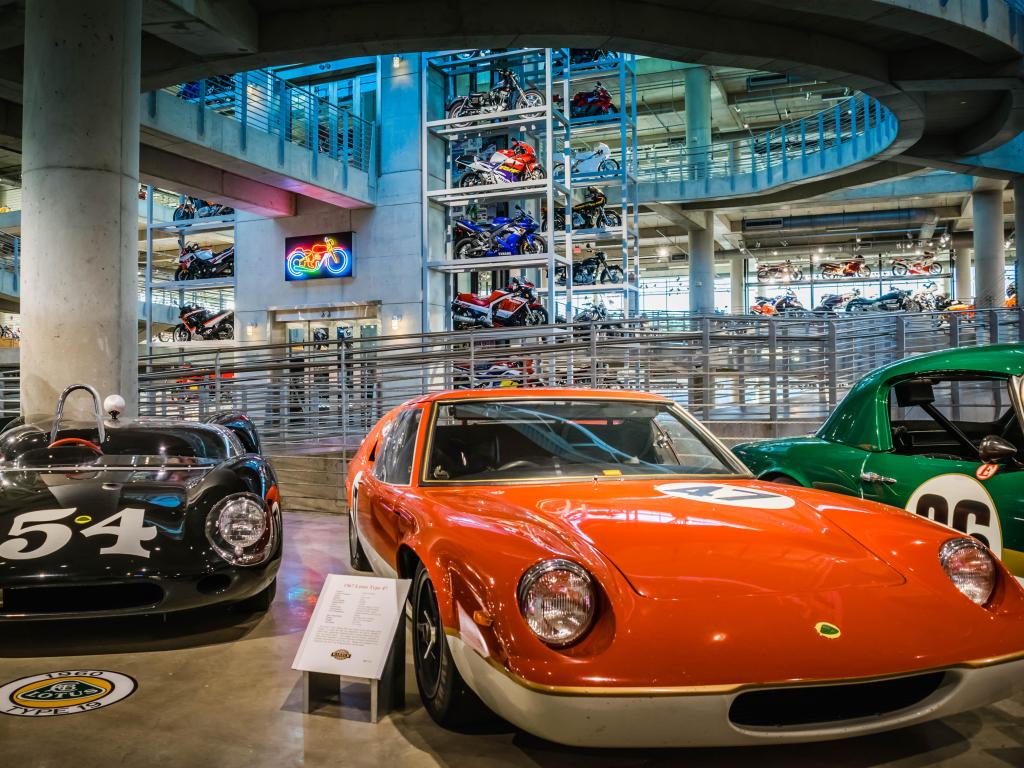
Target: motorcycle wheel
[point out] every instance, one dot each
(934, 269)
(856, 308)
(899, 270)
(537, 316)
(578, 222)
(912, 305)
(615, 274)
(559, 171)
(559, 222)
(535, 175)
(537, 245)
(798, 274)
(181, 333)
(458, 110)
(471, 179)
(864, 270)
(828, 275)
(180, 274)
(610, 219)
(226, 332)
(530, 98)
(762, 274)
(608, 165)
(464, 249)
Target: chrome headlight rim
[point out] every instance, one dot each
(960, 544)
(259, 552)
(534, 572)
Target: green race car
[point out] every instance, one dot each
(939, 435)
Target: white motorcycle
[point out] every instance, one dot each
(598, 160)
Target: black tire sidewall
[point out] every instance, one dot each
(442, 703)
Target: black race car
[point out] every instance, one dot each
(116, 517)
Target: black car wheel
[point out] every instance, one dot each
(445, 694)
(356, 554)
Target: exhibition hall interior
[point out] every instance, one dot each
(619, 383)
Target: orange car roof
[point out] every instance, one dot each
(540, 393)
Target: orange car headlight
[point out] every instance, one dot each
(970, 567)
(558, 600)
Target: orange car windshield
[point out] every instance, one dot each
(502, 440)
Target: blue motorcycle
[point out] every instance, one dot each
(501, 236)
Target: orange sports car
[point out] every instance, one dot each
(600, 570)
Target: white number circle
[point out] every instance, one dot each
(727, 495)
(962, 503)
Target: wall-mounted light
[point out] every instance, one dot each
(396, 320)
(396, 60)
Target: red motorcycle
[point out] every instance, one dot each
(925, 266)
(516, 305)
(592, 103)
(505, 166)
(851, 268)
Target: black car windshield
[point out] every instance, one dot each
(506, 439)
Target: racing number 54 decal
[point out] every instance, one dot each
(128, 528)
(962, 503)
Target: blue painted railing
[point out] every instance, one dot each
(850, 132)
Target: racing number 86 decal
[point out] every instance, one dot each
(962, 503)
(23, 542)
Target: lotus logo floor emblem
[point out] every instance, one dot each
(341, 654)
(826, 630)
(64, 693)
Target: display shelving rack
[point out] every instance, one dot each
(154, 281)
(551, 132)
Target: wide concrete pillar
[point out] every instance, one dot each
(80, 170)
(702, 266)
(962, 277)
(737, 286)
(1018, 225)
(989, 251)
(697, 81)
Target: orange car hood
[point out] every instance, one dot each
(675, 539)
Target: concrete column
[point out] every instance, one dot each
(962, 274)
(80, 164)
(1018, 238)
(702, 266)
(737, 286)
(989, 253)
(698, 119)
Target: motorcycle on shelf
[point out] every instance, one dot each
(501, 236)
(201, 323)
(831, 303)
(596, 102)
(1011, 296)
(785, 304)
(951, 306)
(592, 270)
(902, 267)
(597, 160)
(841, 269)
(589, 214)
(927, 297)
(896, 300)
(775, 273)
(194, 208)
(493, 375)
(592, 55)
(197, 263)
(516, 305)
(479, 53)
(506, 95)
(505, 166)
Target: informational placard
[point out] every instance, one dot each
(353, 626)
(314, 257)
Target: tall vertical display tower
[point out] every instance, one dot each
(505, 144)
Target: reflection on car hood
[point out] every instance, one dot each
(732, 537)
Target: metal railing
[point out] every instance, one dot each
(10, 260)
(746, 377)
(841, 135)
(262, 101)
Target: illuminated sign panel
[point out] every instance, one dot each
(314, 257)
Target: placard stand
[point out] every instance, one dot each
(386, 694)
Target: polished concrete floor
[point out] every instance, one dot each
(216, 691)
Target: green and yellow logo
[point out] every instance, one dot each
(62, 692)
(827, 630)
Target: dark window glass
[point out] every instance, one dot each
(398, 449)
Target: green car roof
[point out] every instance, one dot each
(861, 419)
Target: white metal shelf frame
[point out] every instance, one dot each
(181, 229)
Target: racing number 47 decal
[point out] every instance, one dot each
(128, 528)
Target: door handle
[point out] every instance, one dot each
(874, 477)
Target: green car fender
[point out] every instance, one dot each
(810, 461)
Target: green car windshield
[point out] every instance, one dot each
(505, 439)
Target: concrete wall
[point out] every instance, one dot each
(387, 240)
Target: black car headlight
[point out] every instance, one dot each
(242, 529)
(558, 600)
(970, 567)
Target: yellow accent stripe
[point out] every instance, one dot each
(717, 690)
(1014, 560)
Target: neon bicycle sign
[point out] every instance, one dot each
(318, 256)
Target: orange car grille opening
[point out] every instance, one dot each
(79, 599)
(824, 704)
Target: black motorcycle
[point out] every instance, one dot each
(590, 214)
(194, 208)
(195, 263)
(591, 55)
(893, 301)
(591, 271)
(831, 303)
(507, 94)
(776, 272)
(201, 323)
